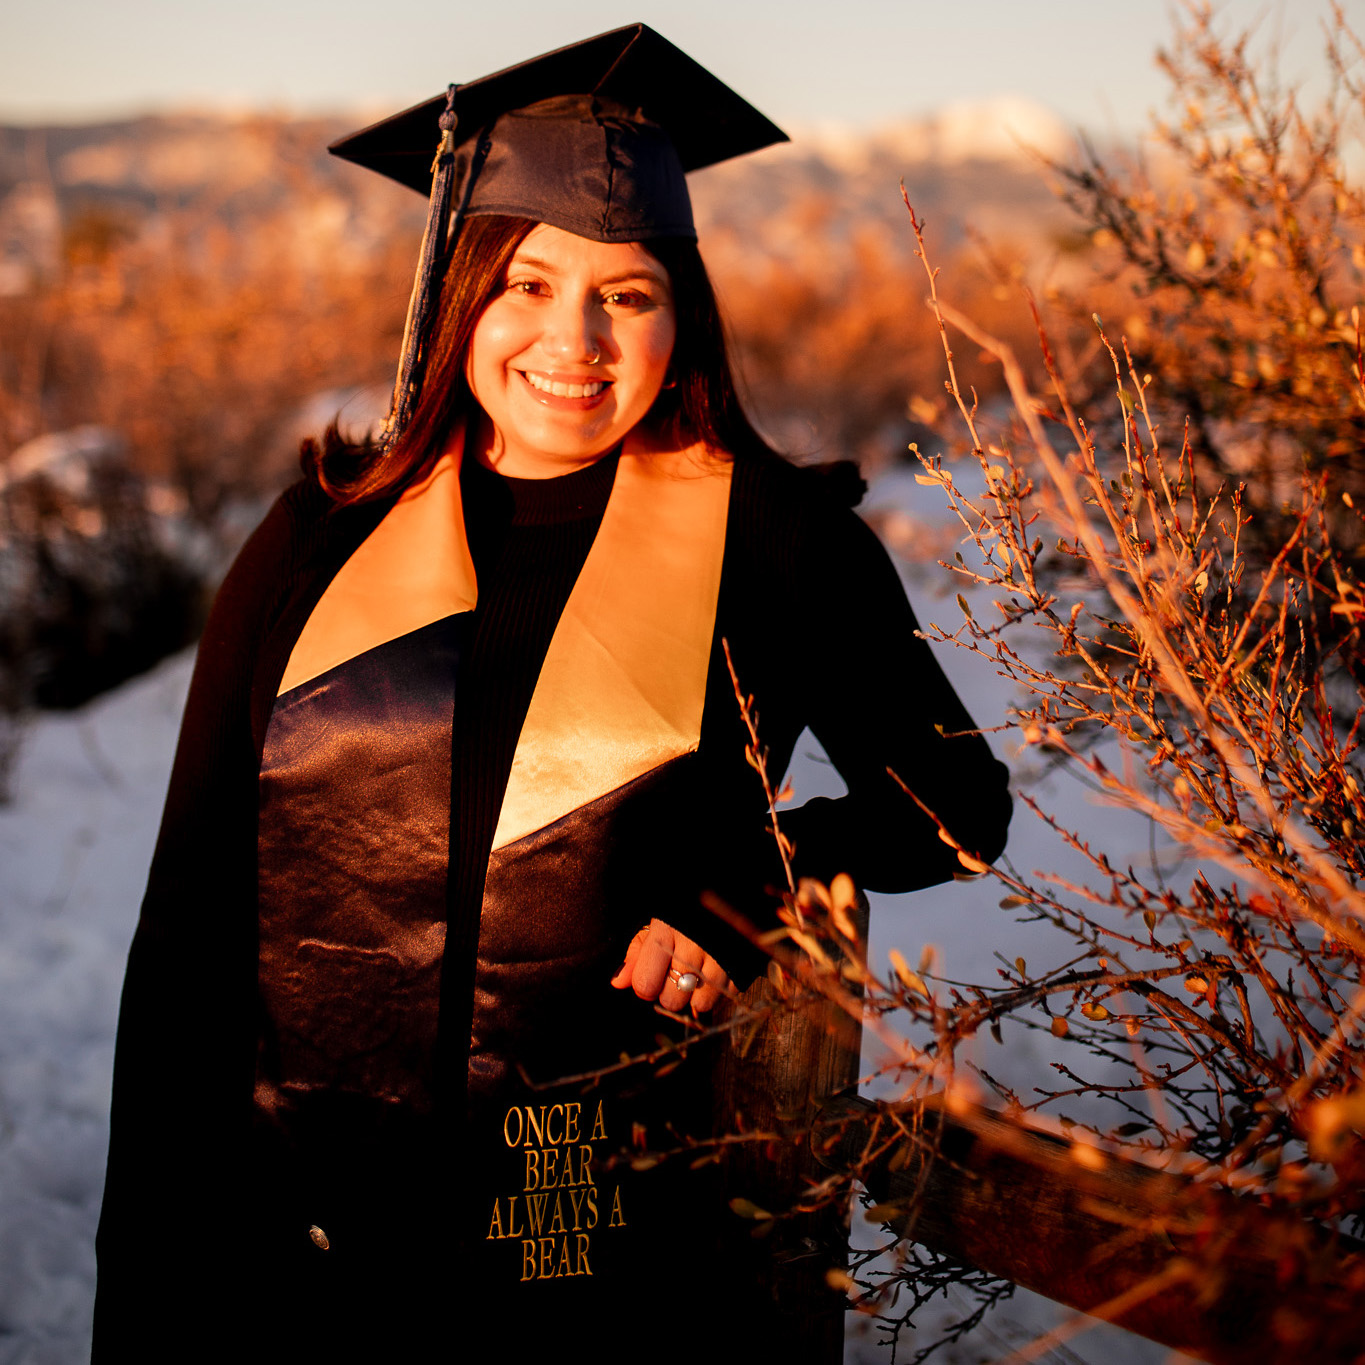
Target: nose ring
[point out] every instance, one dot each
(596, 355)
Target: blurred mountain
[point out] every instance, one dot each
(975, 166)
(61, 186)
(965, 165)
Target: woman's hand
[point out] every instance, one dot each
(660, 963)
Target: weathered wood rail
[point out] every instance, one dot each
(1193, 1267)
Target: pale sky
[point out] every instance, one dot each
(800, 61)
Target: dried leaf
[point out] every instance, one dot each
(811, 947)
(843, 897)
(1060, 1028)
(1197, 985)
(972, 864)
(885, 1213)
(746, 1208)
(929, 480)
(948, 838)
(811, 892)
(966, 610)
(910, 980)
(1092, 1010)
(842, 892)
(841, 921)
(1021, 967)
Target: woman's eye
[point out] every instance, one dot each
(528, 288)
(626, 298)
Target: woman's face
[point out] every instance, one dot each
(570, 355)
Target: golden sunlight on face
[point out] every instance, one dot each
(570, 355)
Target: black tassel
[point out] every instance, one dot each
(434, 240)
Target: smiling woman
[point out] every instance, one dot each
(459, 764)
(571, 355)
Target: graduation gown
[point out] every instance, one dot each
(325, 1124)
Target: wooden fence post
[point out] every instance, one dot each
(1194, 1267)
(772, 1079)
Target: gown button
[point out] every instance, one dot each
(319, 1237)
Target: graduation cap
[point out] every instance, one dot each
(595, 138)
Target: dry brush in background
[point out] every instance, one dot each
(1167, 522)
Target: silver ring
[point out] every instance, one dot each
(684, 981)
(596, 355)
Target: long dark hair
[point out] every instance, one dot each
(699, 404)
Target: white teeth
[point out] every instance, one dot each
(562, 390)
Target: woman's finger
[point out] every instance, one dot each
(684, 975)
(715, 984)
(645, 969)
(664, 965)
(626, 971)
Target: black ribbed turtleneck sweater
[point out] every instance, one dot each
(529, 539)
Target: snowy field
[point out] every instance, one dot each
(75, 844)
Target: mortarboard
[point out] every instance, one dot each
(594, 138)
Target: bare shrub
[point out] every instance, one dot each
(196, 327)
(828, 349)
(1167, 522)
(1232, 254)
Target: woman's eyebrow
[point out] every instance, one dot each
(642, 272)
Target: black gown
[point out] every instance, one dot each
(383, 1174)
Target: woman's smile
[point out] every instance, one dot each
(571, 353)
(551, 387)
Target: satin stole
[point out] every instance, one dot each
(619, 696)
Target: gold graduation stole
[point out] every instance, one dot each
(624, 682)
(619, 697)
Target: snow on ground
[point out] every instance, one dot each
(75, 844)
